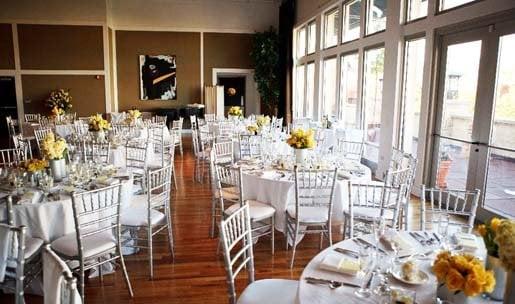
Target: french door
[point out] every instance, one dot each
(475, 122)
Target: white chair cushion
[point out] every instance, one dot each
(229, 193)
(92, 245)
(258, 210)
(371, 212)
(275, 291)
(139, 217)
(309, 214)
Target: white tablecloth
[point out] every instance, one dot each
(319, 294)
(281, 193)
(51, 220)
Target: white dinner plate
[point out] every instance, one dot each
(423, 277)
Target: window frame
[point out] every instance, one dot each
(345, 5)
(358, 97)
(324, 21)
(406, 8)
(308, 25)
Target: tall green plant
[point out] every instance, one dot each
(265, 56)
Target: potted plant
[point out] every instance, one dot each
(461, 276)
(98, 125)
(265, 57)
(444, 164)
(54, 149)
(301, 140)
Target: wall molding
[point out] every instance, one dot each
(52, 22)
(142, 28)
(63, 72)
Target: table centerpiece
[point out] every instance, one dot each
(505, 240)
(54, 150)
(253, 129)
(98, 125)
(235, 112)
(301, 140)
(133, 117)
(461, 276)
(35, 168)
(59, 102)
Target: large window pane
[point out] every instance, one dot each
(301, 42)
(373, 95)
(412, 85)
(447, 4)
(329, 87)
(310, 89)
(349, 90)
(352, 11)
(453, 164)
(331, 27)
(459, 98)
(376, 16)
(299, 92)
(416, 9)
(312, 37)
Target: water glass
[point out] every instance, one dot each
(367, 265)
(443, 229)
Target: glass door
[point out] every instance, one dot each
(475, 127)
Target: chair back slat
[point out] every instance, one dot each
(250, 146)
(314, 188)
(223, 152)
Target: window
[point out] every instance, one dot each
(416, 9)
(376, 16)
(312, 37)
(299, 92)
(310, 89)
(301, 42)
(331, 28)
(349, 90)
(373, 95)
(447, 4)
(412, 93)
(329, 87)
(351, 19)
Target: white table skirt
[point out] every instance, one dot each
(281, 193)
(320, 294)
(51, 220)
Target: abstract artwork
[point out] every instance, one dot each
(158, 80)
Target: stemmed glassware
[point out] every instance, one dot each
(443, 230)
(367, 265)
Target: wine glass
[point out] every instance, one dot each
(443, 229)
(367, 264)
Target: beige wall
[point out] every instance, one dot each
(88, 93)
(185, 46)
(223, 50)
(6, 47)
(60, 47)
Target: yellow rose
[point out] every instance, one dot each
(444, 255)
(440, 269)
(454, 280)
(489, 281)
(472, 286)
(481, 229)
(494, 223)
(460, 263)
(479, 272)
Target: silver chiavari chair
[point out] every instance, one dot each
(136, 160)
(151, 213)
(40, 135)
(64, 285)
(161, 120)
(193, 122)
(236, 238)
(32, 118)
(459, 205)
(369, 202)
(262, 215)
(350, 149)
(400, 160)
(177, 133)
(226, 129)
(15, 261)
(225, 191)
(11, 127)
(80, 128)
(250, 146)
(209, 118)
(203, 143)
(13, 157)
(163, 149)
(223, 152)
(313, 206)
(45, 122)
(97, 233)
(404, 177)
(96, 151)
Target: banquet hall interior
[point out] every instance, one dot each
(257, 151)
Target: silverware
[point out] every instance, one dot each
(371, 245)
(437, 238)
(331, 283)
(416, 237)
(347, 252)
(369, 283)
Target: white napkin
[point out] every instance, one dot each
(466, 240)
(5, 245)
(53, 279)
(337, 263)
(404, 246)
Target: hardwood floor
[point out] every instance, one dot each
(197, 275)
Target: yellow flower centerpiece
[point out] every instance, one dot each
(505, 239)
(262, 121)
(462, 273)
(300, 140)
(54, 149)
(133, 116)
(35, 165)
(235, 111)
(60, 99)
(252, 129)
(98, 123)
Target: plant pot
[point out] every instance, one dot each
(99, 136)
(500, 275)
(445, 294)
(300, 156)
(58, 168)
(509, 295)
(443, 171)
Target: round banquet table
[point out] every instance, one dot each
(53, 219)
(321, 294)
(269, 187)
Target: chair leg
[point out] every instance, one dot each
(81, 281)
(286, 231)
(296, 232)
(213, 215)
(174, 178)
(125, 274)
(100, 274)
(330, 235)
(272, 233)
(321, 241)
(170, 237)
(150, 252)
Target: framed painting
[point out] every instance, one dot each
(158, 79)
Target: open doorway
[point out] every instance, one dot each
(246, 96)
(234, 91)
(8, 107)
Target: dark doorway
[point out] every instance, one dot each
(8, 105)
(234, 91)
